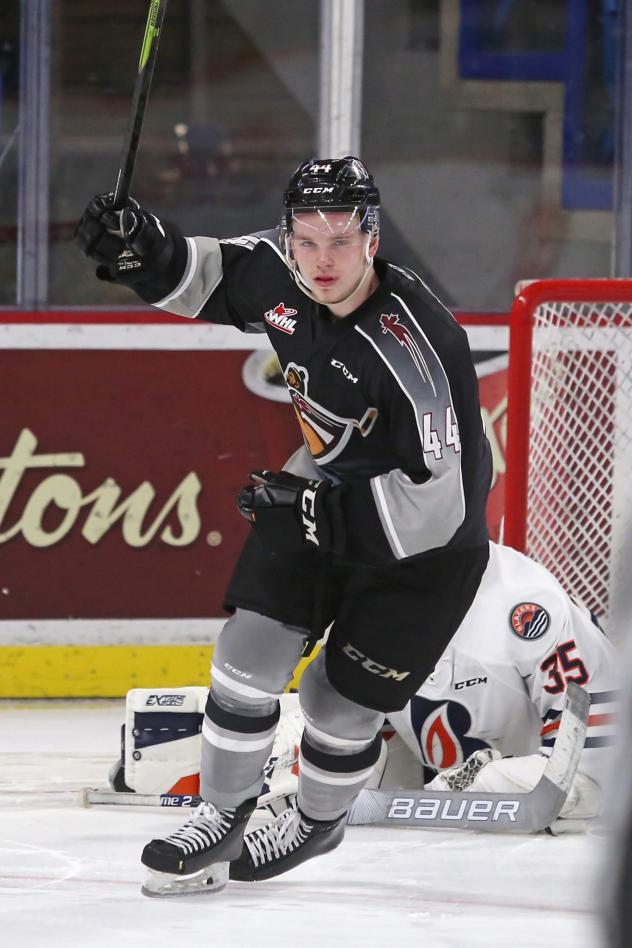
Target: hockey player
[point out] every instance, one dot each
(490, 710)
(379, 519)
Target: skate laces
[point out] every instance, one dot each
(282, 836)
(207, 826)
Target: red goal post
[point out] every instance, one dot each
(568, 486)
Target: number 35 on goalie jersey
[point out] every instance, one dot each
(502, 680)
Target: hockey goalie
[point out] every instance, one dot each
(485, 720)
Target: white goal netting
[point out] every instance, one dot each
(578, 515)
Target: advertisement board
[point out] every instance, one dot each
(122, 449)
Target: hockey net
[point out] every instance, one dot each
(568, 488)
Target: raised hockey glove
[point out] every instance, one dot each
(289, 512)
(128, 245)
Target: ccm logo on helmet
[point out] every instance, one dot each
(374, 667)
(317, 190)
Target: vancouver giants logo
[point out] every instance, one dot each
(279, 318)
(390, 323)
(442, 729)
(529, 620)
(325, 434)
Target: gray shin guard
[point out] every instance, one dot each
(252, 664)
(340, 746)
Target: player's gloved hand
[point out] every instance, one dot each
(127, 244)
(288, 512)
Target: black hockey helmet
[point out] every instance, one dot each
(329, 184)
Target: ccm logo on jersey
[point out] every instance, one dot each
(431, 808)
(469, 682)
(345, 371)
(374, 667)
(279, 318)
(529, 620)
(166, 701)
(308, 506)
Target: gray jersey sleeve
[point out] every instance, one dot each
(214, 279)
(201, 277)
(422, 504)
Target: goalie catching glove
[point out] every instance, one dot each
(288, 512)
(128, 244)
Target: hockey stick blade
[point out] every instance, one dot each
(492, 812)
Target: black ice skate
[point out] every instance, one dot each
(286, 842)
(195, 858)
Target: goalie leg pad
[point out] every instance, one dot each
(162, 739)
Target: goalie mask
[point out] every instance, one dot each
(336, 200)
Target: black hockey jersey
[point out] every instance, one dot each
(386, 398)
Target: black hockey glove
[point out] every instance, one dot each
(129, 245)
(288, 512)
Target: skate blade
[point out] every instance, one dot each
(165, 885)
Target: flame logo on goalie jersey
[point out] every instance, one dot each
(325, 434)
(442, 731)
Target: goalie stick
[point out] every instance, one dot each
(498, 812)
(146, 63)
(492, 812)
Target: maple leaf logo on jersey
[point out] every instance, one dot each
(529, 620)
(390, 323)
(279, 318)
(325, 434)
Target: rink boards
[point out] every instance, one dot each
(126, 440)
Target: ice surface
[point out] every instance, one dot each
(71, 876)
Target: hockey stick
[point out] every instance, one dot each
(106, 797)
(146, 63)
(492, 812)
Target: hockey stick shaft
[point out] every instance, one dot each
(146, 63)
(106, 797)
(492, 812)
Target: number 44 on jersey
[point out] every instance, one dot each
(432, 442)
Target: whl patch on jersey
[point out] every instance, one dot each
(529, 620)
(279, 318)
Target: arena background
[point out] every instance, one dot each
(494, 130)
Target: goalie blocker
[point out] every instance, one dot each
(160, 756)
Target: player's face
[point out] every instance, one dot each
(330, 251)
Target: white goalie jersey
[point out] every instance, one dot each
(500, 684)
